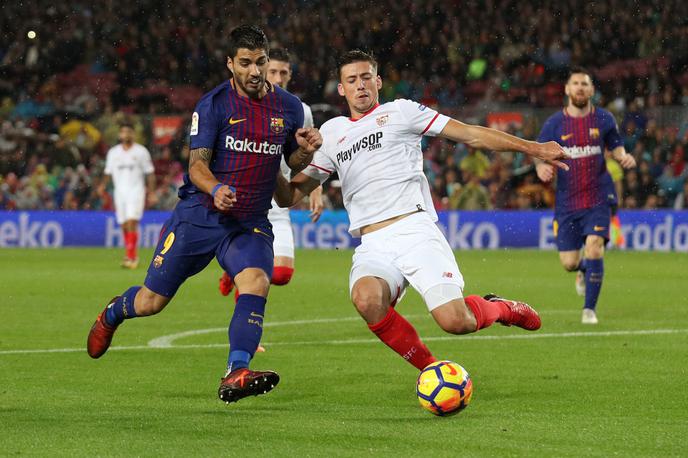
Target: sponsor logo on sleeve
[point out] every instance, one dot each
(194, 124)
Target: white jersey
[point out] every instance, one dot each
(307, 122)
(128, 168)
(379, 161)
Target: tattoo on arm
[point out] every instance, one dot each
(200, 154)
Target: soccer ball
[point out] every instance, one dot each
(444, 388)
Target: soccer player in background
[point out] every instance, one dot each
(239, 132)
(279, 74)
(130, 166)
(376, 153)
(582, 209)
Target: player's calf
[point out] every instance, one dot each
(454, 317)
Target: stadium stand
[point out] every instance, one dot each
(90, 66)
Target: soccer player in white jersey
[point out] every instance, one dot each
(279, 74)
(130, 166)
(377, 155)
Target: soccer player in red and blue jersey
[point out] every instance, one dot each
(239, 132)
(583, 209)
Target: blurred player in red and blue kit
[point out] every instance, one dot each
(239, 132)
(583, 207)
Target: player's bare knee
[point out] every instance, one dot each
(594, 247)
(369, 304)
(253, 281)
(570, 265)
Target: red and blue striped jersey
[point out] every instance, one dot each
(248, 138)
(586, 184)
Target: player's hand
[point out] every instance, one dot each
(309, 139)
(627, 161)
(224, 198)
(316, 204)
(545, 172)
(552, 153)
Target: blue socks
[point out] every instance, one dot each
(245, 330)
(582, 266)
(594, 271)
(123, 308)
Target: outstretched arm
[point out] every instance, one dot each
(309, 140)
(289, 193)
(203, 178)
(495, 140)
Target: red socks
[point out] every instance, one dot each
(130, 242)
(487, 312)
(399, 335)
(281, 275)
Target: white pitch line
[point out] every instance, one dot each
(166, 341)
(630, 332)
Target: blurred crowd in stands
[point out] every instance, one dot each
(70, 73)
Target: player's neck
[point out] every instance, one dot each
(126, 146)
(575, 112)
(356, 115)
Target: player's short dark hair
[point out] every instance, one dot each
(355, 55)
(577, 69)
(280, 54)
(248, 37)
(126, 124)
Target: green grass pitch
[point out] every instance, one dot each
(615, 389)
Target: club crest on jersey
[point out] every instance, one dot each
(382, 120)
(277, 125)
(594, 132)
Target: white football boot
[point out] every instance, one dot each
(589, 316)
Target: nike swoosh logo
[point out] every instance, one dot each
(258, 231)
(256, 315)
(563, 137)
(236, 121)
(598, 228)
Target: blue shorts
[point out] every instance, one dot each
(571, 228)
(194, 235)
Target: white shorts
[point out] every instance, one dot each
(281, 228)
(411, 251)
(129, 206)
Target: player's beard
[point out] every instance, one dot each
(252, 91)
(580, 102)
